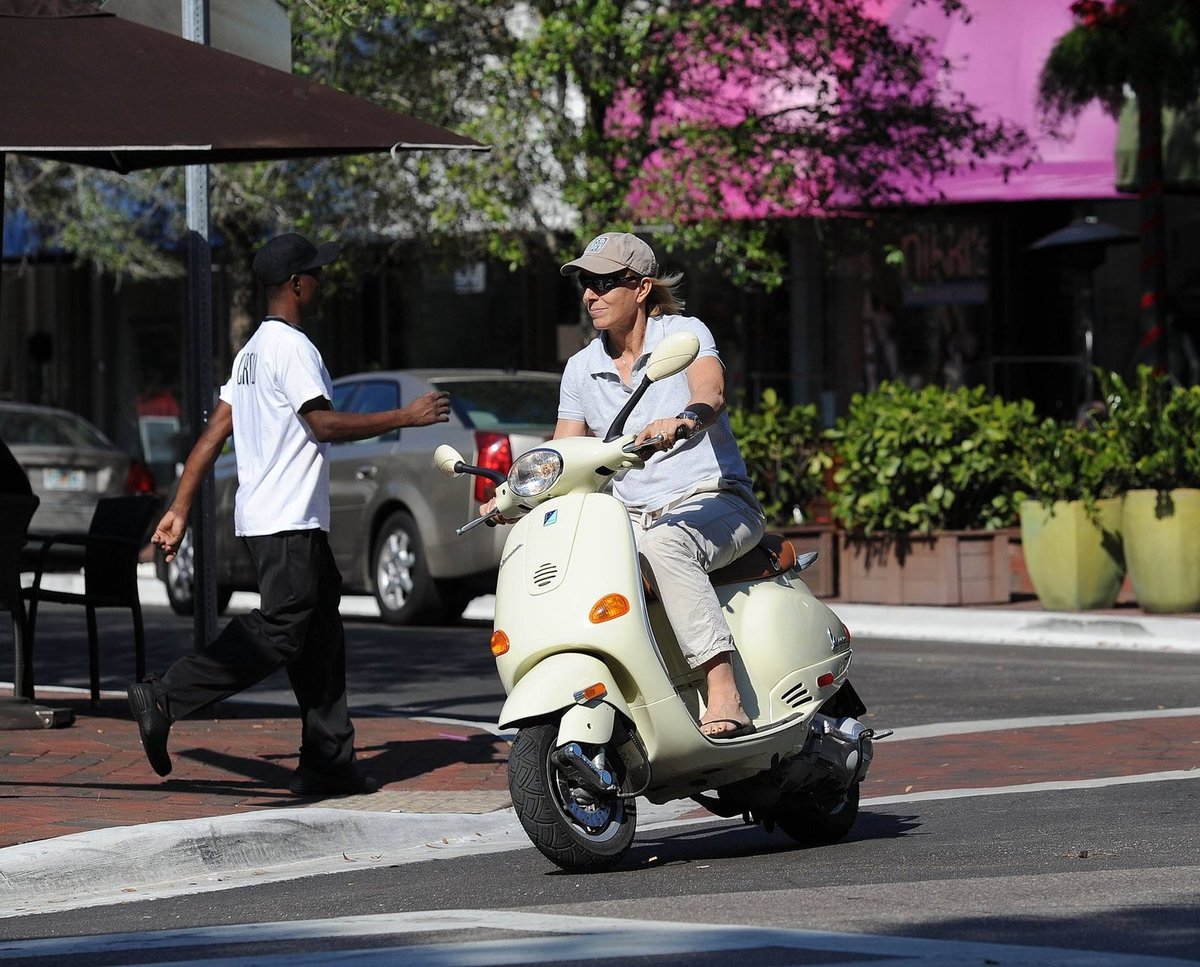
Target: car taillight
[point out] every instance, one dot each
(139, 480)
(495, 453)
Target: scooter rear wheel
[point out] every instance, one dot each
(579, 832)
(819, 821)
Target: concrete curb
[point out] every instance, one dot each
(984, 626)
(195, 855)
(105, 865)
(1039, 628)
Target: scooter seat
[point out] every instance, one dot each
(773, 555)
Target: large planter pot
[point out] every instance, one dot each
(1161, 531)
(821, 578)
(952, 567)
(1075, 563)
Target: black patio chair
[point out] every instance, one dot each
(15, 514)
(110, 558)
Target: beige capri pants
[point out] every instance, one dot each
(679, 546)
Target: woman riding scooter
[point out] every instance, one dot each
(693, 506)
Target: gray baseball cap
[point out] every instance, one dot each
(612, 252)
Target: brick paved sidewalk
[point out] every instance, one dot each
(95, 775)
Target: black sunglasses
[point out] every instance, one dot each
(602, 284)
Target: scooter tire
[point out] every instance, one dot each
(538, 792)
(820, 821)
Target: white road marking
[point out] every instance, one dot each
(546, 938)
(935, 729)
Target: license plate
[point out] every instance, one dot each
(55, 479)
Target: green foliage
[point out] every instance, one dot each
(580, 101)
(1157, 427)
(928, 460)
(1152, 46)
(638, 114)
(1061, 461)
(778, 444)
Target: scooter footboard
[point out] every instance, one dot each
(555, 684)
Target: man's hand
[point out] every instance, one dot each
(169, 533)
(433, 407)
(489, 510)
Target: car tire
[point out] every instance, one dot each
(178, 578)
(404, 590)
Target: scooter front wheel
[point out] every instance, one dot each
(578, 830)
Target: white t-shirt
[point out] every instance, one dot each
(283, 472)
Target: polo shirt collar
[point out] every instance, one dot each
(603, 363)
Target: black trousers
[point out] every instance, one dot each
(299, 626)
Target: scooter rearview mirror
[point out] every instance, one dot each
(673, 355)
(448, 460)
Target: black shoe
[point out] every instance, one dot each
(344, 782)
(153, 726)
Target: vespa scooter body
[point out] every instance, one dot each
(561, 562)
(605, 707)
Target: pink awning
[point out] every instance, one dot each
(997, 58)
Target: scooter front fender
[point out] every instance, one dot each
(550, 687)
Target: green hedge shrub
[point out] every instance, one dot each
(778, 444)
(928, 460)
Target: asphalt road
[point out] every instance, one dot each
(1105, 869)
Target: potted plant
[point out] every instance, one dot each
(1158, 425)
(927, 491)
(778, 444)
(1071, 517)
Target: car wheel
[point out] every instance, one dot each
(403, 587)
(178, 577)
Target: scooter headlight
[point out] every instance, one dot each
(535, 472)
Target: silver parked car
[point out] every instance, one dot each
(70, 465)
(393, 516)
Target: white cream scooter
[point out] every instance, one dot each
(607, 709)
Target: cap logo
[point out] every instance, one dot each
(596, 244)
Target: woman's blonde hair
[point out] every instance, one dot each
(664, 295)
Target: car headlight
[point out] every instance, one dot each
(535, 472)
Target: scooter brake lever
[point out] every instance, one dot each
(491, 520)
(647, 444)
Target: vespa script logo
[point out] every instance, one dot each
(839, 640)
(504, 560)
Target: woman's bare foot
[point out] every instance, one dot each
(723, 711)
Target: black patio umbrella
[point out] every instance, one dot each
(84, 86)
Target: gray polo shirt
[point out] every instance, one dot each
(593, 392)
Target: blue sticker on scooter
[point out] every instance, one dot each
(550, 518)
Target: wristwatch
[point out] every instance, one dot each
(694, 417)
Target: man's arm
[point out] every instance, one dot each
(330, 426)
(200, 461)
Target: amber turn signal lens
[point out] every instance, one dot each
(608, 607)
(592, 691)
(499, 643)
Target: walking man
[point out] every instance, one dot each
(277, 406)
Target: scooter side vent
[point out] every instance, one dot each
(545, 575)
(796, 696)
